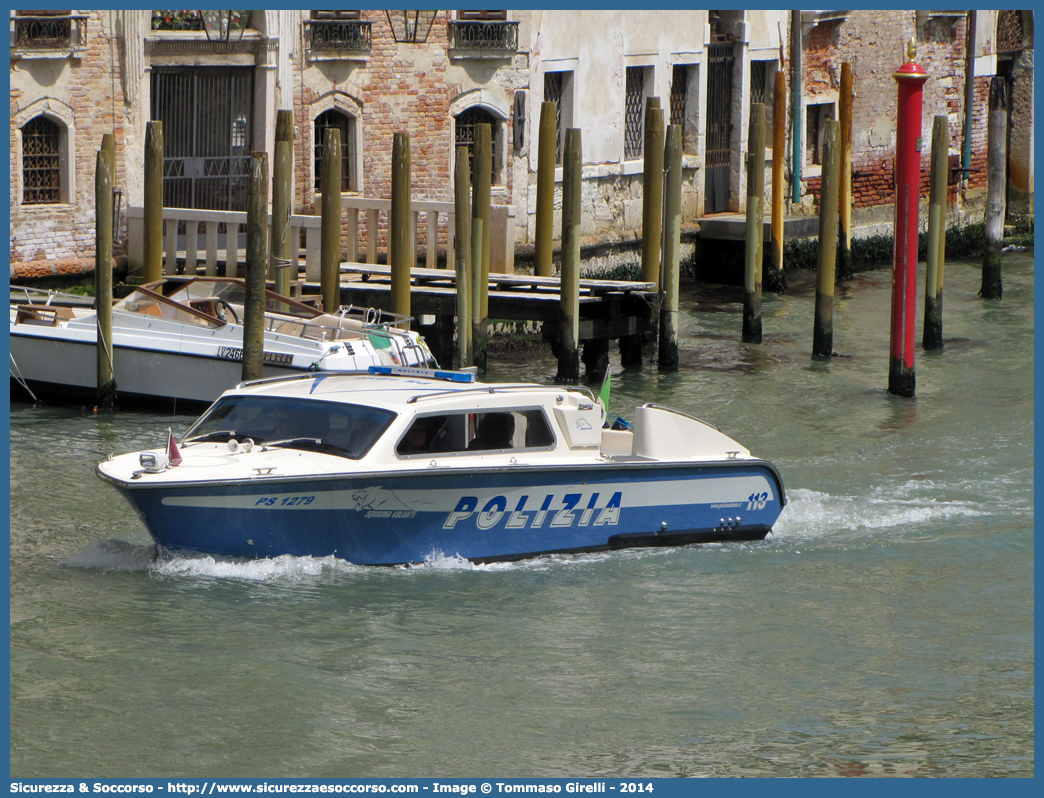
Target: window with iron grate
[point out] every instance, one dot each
(684, 105)
(346, 124)
(41, 162)
(634, 117)
(553, 94)
(465, 132)
(679, 90)
(762, 86)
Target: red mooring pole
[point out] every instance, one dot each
(910, 77)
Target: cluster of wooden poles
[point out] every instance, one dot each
(834, 256)
(661, 229)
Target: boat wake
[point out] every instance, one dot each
(811, 514)
(118, 555)
(284, 568)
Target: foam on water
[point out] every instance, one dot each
(284, 568)
(812, 514)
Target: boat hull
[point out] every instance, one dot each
(66, 368)
(481, 515)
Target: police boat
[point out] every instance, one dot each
(402, 465)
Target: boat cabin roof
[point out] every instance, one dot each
(414, 394)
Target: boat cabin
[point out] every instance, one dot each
(421, 421)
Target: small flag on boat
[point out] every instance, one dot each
(173, 455)
(603, 394)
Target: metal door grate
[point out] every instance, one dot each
(207, 116)
(720, 63)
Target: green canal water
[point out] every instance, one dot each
(884, 629)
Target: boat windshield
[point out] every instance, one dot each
(330, 427)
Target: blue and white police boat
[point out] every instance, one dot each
(402, 466)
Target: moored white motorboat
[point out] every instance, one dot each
(183, 340)
(382, 469)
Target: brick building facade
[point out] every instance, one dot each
(78, 75)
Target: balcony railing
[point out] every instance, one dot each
(495, 39)
(47, 32)
(333, 36)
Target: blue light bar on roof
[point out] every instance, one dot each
(431, 374)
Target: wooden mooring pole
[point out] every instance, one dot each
(826, 262)
(996, 176)
(256, 268)
(153, 255)
(402, 258)
(844, 144)
(104, 177)
(480, 238)
(667, 351)
(755, 226)
(462, 248)
(330, 231)
(569, 316)
(937, 200)
(652, 191)
(280, 265)
(545, 198)
(775, 279)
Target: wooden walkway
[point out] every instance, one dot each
(609, 309)
(511, 296)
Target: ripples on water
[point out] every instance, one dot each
(884, 629)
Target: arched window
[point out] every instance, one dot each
(466, 132)
(41, 162)
(346, 124)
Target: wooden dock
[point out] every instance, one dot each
(609, 309)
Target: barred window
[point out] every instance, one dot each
(553, 94)
(634, 114)
(346, 124)
(679, 89)
(466, 130)
(762, 86)
(41, 162)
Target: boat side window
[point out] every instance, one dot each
(498, 430)
(333, 427)
(426, 435)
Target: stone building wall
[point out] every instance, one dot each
(419, 88)
(409, 88)
(875, 43)
(81, 90)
